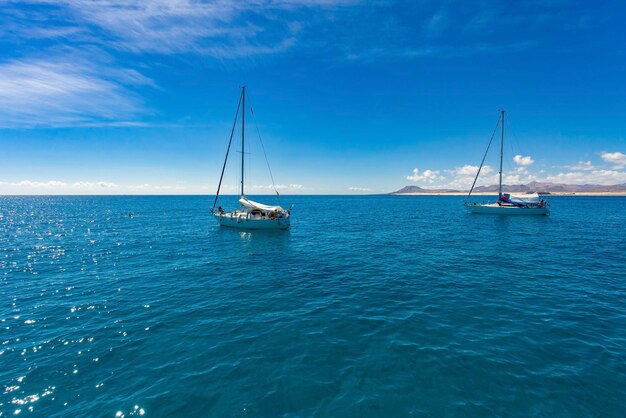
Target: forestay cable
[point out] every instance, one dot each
(232, 132)
(483, 161)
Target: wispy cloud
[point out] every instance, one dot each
(436, 24)
(219, 28)
(66, 90)
(581, 166)
(89, 92)
(456, 29)
(359, 189)
(227, 29)
(444, 51)
(66, 66)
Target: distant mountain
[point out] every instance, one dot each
(527, 188)
(415, 189)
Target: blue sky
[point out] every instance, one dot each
(350, 96)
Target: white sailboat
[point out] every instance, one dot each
(507, 203)
(250, 215)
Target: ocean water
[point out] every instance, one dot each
(373, 306)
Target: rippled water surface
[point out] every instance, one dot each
(370, 306)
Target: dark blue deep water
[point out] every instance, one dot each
(374, 306)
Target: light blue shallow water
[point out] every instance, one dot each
(370, 306)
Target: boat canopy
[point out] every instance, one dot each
(260, 206)
(523, 199)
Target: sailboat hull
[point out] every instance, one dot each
(243, 221)
(495, 209)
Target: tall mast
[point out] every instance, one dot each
(501, 146)
(243, 125)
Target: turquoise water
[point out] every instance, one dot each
(370, 306)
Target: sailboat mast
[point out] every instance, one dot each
(501, 147)
(243, 125)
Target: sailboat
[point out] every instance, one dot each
(251, 214)
(507, 203)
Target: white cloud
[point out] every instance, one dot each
(105, 184)
(56, 187)
(581, 166)
(471, 170)
(90, 185)
(464, 182)
(428, 176)
(523, 161)
(65, 90)
(289, 186)
(584, 172)
(518, 178)
(35, 184)
(617, 158)
(359, 189)
(156, 187)
(602, 177)
(459, 178)
(463, 177)
(292, 186)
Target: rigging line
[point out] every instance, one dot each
(511, 146)
(483, 161)
(264, 153)
(515, 142)
(249, 168)
(230, 141)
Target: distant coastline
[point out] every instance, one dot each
(426, 193)
(547, 189)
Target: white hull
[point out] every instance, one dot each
(243, 220)
(495, 209)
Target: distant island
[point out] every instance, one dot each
(559, 189)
